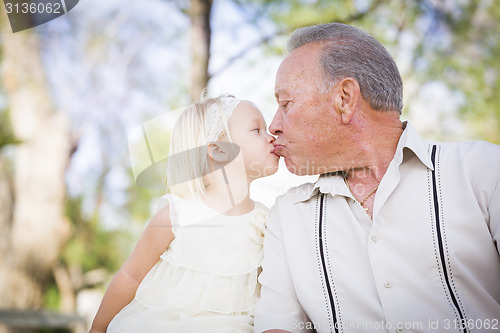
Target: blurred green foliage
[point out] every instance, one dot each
(469, 62)
(92, 246)
(51, 297)
(6, 135)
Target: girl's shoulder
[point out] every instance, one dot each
(168, 200)
(260, 212)
(259, 206)
(258, 221)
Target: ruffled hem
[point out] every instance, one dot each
(241, 261)
(136, 317)
(169, 304)
(196, 290)
(227, 271)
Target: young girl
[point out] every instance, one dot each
(195, 267)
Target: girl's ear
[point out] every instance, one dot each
(218, 153)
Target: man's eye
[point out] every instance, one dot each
(284, 104)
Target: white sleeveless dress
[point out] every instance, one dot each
(206, 281)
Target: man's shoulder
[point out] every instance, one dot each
(469, 145)
(475, 162)
(476, 152)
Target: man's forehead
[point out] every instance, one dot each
(292, 60)
(305, 53)
(286, 79)
(294, 71)
(303, 58)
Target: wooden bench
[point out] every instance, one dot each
(41, 319)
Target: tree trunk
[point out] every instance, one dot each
(199, 13)
(38, 229)
(6, 201)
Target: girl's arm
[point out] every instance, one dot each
(153, 242)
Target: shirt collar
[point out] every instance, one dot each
(411, 139)
(334, 184)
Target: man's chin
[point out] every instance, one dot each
(305, 169)
(296, 169)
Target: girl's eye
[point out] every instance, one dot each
(257, 130)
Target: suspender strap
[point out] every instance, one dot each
(440, 241)
(321, 214)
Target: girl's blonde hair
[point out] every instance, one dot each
(199, 125)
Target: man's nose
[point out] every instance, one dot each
(275, 126)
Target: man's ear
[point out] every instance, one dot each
(348, 94)
(218, 152)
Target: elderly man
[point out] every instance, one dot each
(398, 234)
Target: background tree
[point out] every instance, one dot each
(199, 13)
(34, 229)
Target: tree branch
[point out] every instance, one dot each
(287, 30)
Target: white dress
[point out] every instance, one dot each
(206, 281)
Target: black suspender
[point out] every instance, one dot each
(440, 240)
(321, 214)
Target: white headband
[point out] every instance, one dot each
(218, 115)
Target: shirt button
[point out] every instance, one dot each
(374, 238)
(387, 284)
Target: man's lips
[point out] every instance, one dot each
(277, 150)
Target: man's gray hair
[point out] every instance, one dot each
(351, 52)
